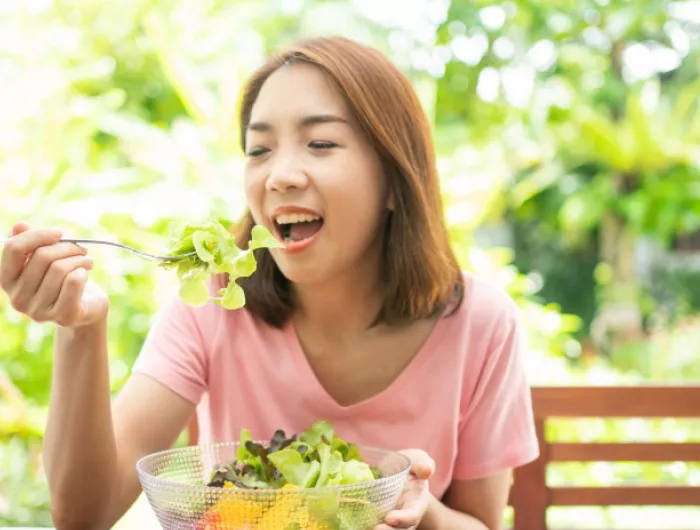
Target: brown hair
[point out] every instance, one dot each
(420, 273)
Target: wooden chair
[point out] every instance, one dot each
(531, 495)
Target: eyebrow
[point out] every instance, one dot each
(305, 122)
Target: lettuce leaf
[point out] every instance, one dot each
(318, 458)
(216, 253)
(319, 431)
(293, 468)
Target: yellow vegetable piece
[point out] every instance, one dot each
(232, 512)
(287, 510)
(244, 513)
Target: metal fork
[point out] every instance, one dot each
(145, 255)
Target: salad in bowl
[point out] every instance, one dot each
(313, 481)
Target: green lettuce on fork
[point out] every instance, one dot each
(216, 252)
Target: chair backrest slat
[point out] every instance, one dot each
(531, 495)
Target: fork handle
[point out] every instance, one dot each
(145, 255)
(104, 242)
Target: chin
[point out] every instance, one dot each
(301, 275)
(304, 273)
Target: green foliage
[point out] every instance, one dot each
(595, 106)
(673, 292)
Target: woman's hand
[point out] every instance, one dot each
(416, 496)
(47, 280)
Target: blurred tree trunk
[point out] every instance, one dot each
(619, 317)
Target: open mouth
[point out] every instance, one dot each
(295, 227)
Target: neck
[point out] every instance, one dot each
(341, 308)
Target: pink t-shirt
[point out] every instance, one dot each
(464, 398)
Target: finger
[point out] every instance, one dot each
(406, 517)
(395, 525)
(19, 227)
(19, 247)
(68, 309)
(44, 259)
(411, 507)
(422, 466)
(400, 519)
(50, 289)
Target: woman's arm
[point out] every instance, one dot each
(470, 505)
(91, 448)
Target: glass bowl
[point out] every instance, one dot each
(174, 482)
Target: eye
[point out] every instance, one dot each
(322, 145)
(257, 151)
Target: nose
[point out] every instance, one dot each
(286, 174)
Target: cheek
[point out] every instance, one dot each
(361, 177)
(370, 190)
(358, 201)
(254, 193)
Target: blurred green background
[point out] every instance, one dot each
(568, 135)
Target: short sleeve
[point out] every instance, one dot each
(174, 352)
(497, 429)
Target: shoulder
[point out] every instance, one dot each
(486, 307)
(496, 431)
(493, 349)
(480, 334)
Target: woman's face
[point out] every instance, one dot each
(312, 177)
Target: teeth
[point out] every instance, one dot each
(289, 218)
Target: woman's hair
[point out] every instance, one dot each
(420, 275)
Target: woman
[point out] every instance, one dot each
(363, 318)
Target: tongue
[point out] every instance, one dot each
(300, 231)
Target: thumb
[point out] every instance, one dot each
(93, 302)
(422, 465)
(19, 227)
